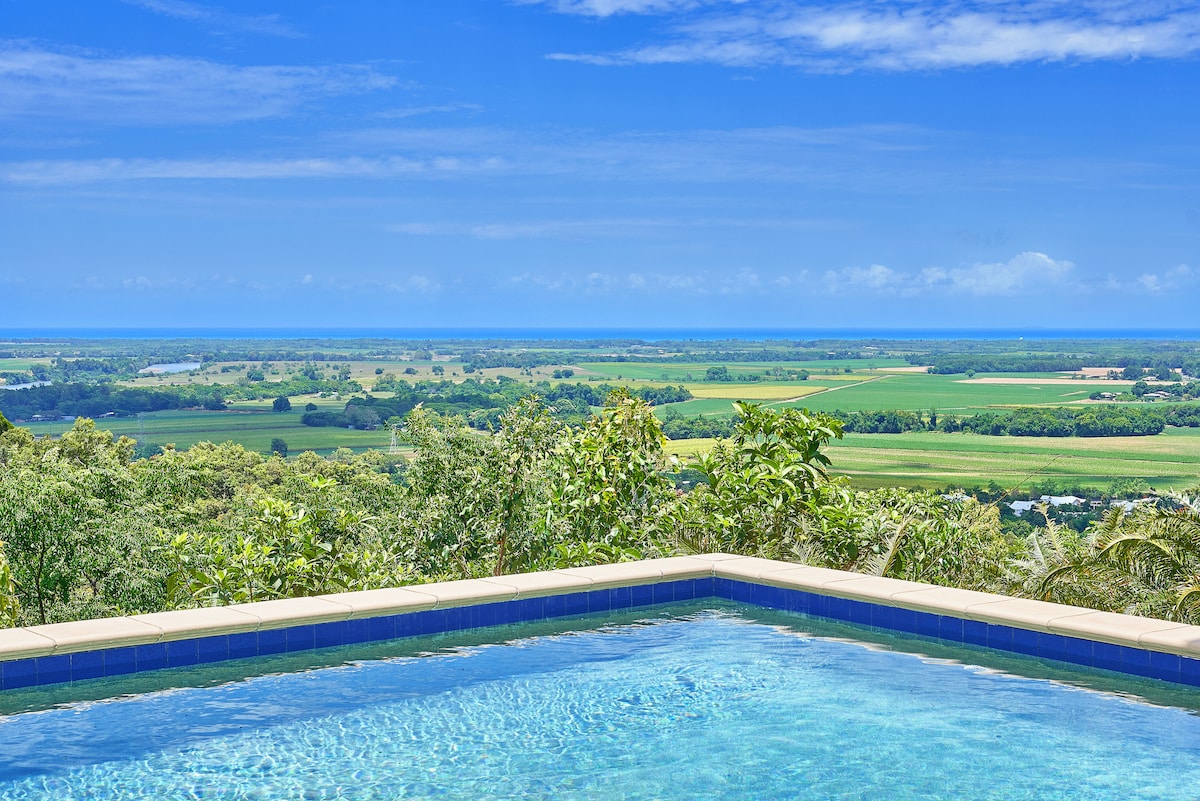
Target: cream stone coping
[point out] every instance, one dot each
(1127, 630)
(373, 603)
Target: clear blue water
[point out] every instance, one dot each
(649, 334)
(721, 704)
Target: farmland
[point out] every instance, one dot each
(1170, 460)
(881, 378)
(252, 428)
(924, 392)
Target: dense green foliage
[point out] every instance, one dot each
(482, 402)
(92, 531)
(1146, 562)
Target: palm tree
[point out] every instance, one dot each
(1145, 562)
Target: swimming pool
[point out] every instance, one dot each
(212, 703)
(705, 699)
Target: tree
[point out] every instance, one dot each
(79, 544)
(611, 488)
(759, 481)
(4, 424)
(1146, 562)
(10, 607)
(717, 374)
(279, 447)
(281, 404)
(282, 549)
(439, 370)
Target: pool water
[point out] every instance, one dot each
(725, 702)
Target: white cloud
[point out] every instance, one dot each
(39, 83)
(894, 35)
(1025, 272)
(269, 24)
(1176, 278)
(416, 283)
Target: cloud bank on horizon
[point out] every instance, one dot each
(981, 163)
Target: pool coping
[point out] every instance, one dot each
(58, 652)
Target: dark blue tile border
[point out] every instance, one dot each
(182, 653)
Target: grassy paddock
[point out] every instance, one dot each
(1170, 460)
(252, 429)
(688, 372)
(21, 365)
(922, 392)
(755, 392)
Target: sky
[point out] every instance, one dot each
(600, 163)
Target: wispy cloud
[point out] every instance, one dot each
(81, 86)
(602, 227)
(107, 170)
(900, 35)
(776, 154)
(219, 18)
(872, 159)
(1029, 271)
(609, 8)
(214, 282)
(400, 283)
(597, 282)
(419, 111)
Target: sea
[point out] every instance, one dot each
(647, 334)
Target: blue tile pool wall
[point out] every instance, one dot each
(56, 669)
(1089, 653)
(183, 653)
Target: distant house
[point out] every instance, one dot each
(1062, 500)
(1021, 507)
(1129, 506)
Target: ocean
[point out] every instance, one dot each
(647, 334)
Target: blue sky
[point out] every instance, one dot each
(611, 163)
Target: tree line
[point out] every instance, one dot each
(1128, 365)
(1031, 421)
(96, 400)
(482, 402)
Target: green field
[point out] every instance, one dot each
(922, 392)
(253, 429)
(694, 371)
(20, 365)
(1170, 460)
